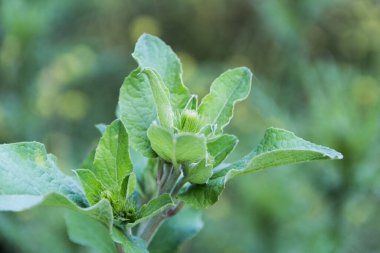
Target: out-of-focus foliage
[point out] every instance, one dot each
(316, 66)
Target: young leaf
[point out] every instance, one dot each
(175, 148)
(220, 147)
(161, 97)
(91, 185)
(232, 86)
(278, 147)
(153, 207)
(88, 232)
(128, 185)
(137, 110)
(152, 52)
(192, 104)
(200, 173)
(112, 162)
(181, 228)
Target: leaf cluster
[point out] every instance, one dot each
(116, 207)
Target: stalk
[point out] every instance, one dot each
(171, 186)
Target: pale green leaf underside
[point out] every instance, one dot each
(102, 211)
(152, 52)
(161, 97)
(137, 110)
(177, 148)
(112, 162)
(29, 177)
(153, 207)
(27, 169)
(232, 86)
(181, 228)
(278, 147)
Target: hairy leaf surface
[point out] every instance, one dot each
(176, 148)
(161, 98)
(232, 86)
(153, 207)
(137, 110)
(152, 52)
(278, 147)
(220, 147)
(112, 162)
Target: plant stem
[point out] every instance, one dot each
(171, 186)
(119, 248)
(179, 185)
(152, 227)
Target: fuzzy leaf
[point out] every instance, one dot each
(131, 244)
(152, 208)
(30, 177)
(102, 211)
(91, 185)
(137, 110)
(26, 169)
(161, 97)
(278, 147)
(199, 173)
(230, 87)
(220, 147)
(88, 232)
(181, 228)
(175, 147)
(112, 162)
(152, 52)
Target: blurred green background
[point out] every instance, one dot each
(317, 70)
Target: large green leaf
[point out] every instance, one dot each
(131, 244)
(88, 232)
(152, 208)
(137, 110)
(102, 211)
(278, 147)
(152, 52)
(26, 169)
(29, 177)
(176, 230)
(230, 87)
(175, 148)
(220, 147)
(112, 162)
(161, 97)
